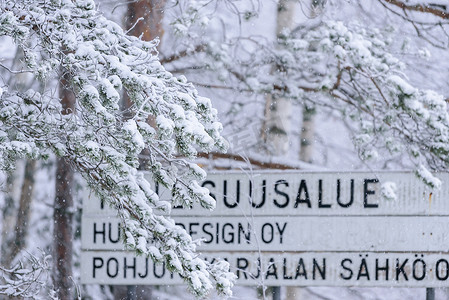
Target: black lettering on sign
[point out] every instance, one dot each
(284, 270)
(322, 270)
(419, 264)
(217, 233)
(438, 271)
(146, 269)
(264, 194)
(126, 267)
(379, 268)
(227, 233)
(301, 269)
(117, 239)
(367, 192)
(281, 232)
(303, 189)
(191, 229)
(97, 264)
(100, 232)
(320, 196)
(267, 228)
(246, 235)
(351, 196)
(285, 195)
(211, 236)
(242, 265)
(259, 267)
(225, 194)
(110, 267)
(160, 275)
(212, 184)
(180, 224)
(212, 260)
(347, 268)
(271, 269)
(363, 270)
(400, 269)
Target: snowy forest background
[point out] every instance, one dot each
(310, 85)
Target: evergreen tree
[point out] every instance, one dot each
(71, 40)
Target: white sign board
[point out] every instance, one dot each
(306, 233)
(281, 269)
(277, 223)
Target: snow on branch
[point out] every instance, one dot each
(438, 10)
(70, 37)
(27, 280)
(351, 69)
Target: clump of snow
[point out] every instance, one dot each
(130, 241)
(424, 53)
(131, 127)
(427, 177)
(155, 253)
(187, 100)
(402, 85)
(165, 125)
(180, 29)
(388, 190)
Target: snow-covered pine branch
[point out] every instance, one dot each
(71, 39)
(348, 67)
(27, 280)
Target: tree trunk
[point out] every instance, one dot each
(277, 123)
(144, 20)
(307, 137)
(307, 134)
(23, 213)
(62, 231)
(9, 209)
(15, 220)
(151, 13)
(276, 127)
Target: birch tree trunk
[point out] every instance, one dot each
(277, 123)
(63, 206)
(307, 134)
(276, 127)
(307, 141)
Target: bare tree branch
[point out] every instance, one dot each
(252, 161)
(424, 8)
(184, 53)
